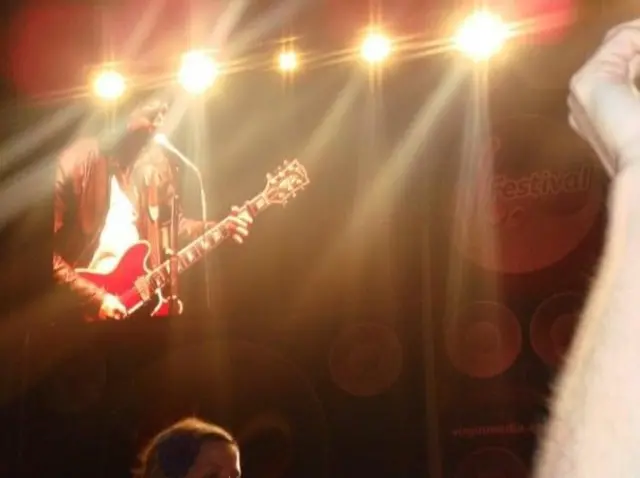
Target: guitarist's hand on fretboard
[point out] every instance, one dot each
(239, 221)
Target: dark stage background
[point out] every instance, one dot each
(387, 322)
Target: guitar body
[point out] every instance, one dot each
(121, 281)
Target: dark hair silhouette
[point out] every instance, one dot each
(172, 452)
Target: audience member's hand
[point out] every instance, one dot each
(603, 102)
(240, 221)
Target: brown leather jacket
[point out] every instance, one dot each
(80, 208)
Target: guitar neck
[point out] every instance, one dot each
(212, 238)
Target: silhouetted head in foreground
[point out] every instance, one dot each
(190, 448)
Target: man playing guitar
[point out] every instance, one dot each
(109, 195)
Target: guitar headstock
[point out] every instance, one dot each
(285, 182)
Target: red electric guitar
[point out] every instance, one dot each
(138, 287)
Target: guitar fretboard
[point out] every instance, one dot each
(189, 255)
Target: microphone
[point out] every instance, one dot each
(163, 141)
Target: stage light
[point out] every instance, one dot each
(288, 61)
(482, 35)
(198, 72)
(109, 85)
(376, 48)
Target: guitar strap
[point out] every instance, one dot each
(154, 209)
(151, 207)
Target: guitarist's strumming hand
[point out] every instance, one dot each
(240, 221)
(112, 309)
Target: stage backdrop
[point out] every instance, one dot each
(512, 261)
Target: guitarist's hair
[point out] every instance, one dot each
(172, 452)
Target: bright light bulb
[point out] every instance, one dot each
(109, 85)
(197, 72)
(376, 48)
(482, 35)
(288, 61)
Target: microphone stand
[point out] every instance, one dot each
(162, 140)
(174, 308)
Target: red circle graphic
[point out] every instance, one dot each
(492, 462)
(483, 340)
(366, 359)
(553, 325)
(534, 198)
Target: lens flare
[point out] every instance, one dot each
(109, 85)
(482, 35)
(198, 72)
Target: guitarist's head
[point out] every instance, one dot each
(126, 142)
(190, 448)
